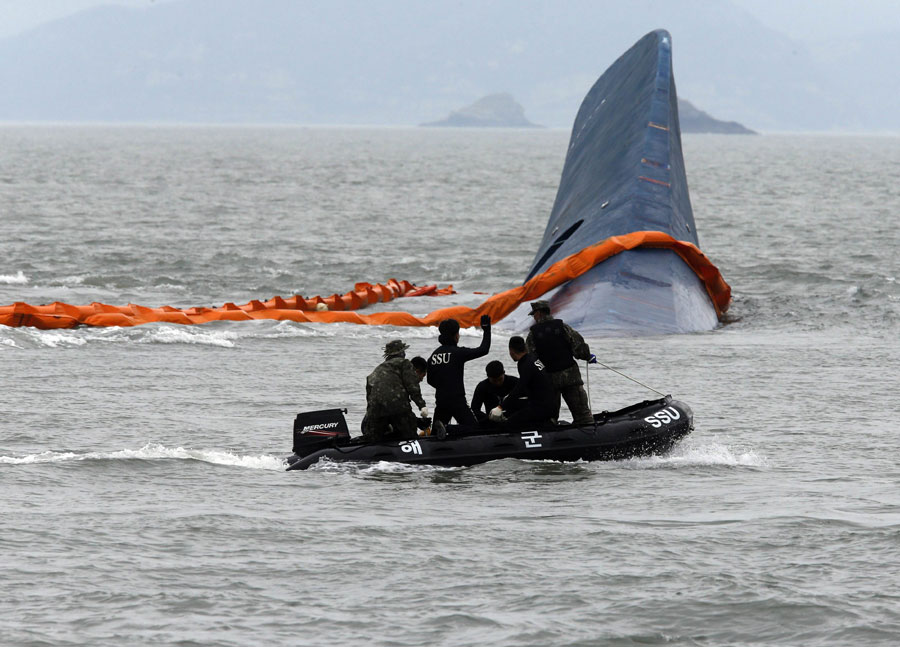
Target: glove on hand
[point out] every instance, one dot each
(496, 414)
(592, 359)
(423, 412)
(485, 321)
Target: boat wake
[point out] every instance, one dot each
(153, 451)
(694, 453)
(691, 453)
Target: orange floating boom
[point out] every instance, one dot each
(341, 308)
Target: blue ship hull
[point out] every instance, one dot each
(624, 173)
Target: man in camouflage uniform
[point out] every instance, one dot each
(558, 345)
(389, 388)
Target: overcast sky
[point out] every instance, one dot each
(809, 20)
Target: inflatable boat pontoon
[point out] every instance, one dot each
(643, 429)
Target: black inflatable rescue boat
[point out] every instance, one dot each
(643, 429)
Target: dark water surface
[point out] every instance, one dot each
(141, 485)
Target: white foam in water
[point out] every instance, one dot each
(165, 334)
(43, 457)
(287, 329)
(182, 335)
(14, 279)
(155, 451)
(391, 467)
(57, 339)
(693, 454)
(381, 467)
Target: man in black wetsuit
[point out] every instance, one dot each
(558, 345)
(445, 372)
(420, 366)
(531, 402)
(491, 391)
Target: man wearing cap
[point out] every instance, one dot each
(558, 345)
(446, 367)
(389, 388)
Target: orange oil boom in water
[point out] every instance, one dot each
(341, 308)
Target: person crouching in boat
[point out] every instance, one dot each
(420, 365)
(558, 345)
(531, 401)
(389, 389)
(446, 367)
(490, 392)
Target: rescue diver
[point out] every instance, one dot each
(490, 392)
(389, 389)
(446, 367)
(532, 400)
(558, 345)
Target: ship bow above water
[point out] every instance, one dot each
(624, 181)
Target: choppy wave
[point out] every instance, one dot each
(14, 279)
(164, 334)
(182, 335)
(153, 451)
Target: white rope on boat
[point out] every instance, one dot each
(599, 363)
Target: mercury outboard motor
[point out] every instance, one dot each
(315, 430)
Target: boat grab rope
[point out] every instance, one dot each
(599, 363)
(341, 309)
(587, 379)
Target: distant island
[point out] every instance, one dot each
(694, 120)
(502, 111)
(493, 111)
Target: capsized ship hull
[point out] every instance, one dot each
(624, 173)
(620, 253)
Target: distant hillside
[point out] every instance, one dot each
(405, 61)
(694, 120)
(492, 111)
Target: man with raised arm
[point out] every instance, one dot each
(446, 368)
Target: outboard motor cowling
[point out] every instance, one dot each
(315, 430)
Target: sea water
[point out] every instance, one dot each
(142, 490)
